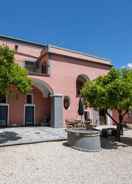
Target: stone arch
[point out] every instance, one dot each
(43, 86)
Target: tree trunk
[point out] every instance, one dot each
(118, 124)
(111, 117)
(119, 127)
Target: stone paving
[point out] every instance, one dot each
(26, 135)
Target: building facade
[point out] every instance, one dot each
(58, 75)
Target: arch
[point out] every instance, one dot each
(43, 87)
(81, 79)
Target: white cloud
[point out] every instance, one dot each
(129, 65)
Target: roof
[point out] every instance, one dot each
(22, 41)
(78, 55)
(62, 51)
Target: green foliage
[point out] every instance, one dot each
(112, 91)
(11, 73)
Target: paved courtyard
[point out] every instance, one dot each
(25, 135)
(56, 163)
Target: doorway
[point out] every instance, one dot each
(29, 115)
(3, 111)
(102, 117)
(29, 111)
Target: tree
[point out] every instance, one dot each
(11, 74)
(112, 91)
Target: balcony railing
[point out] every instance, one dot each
(37, 68)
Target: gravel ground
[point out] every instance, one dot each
(56, 163)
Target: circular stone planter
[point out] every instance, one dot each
(84, 140)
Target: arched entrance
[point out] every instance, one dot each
(37, 108)
(56, 104)
(40, 110)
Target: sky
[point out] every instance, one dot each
(98, 27)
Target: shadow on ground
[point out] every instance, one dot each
(8, 136)
(65, 144)
(111, 143)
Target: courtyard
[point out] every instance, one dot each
(28, 135)
(56, 163)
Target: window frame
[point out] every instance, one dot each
(31, 64)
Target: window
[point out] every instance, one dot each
(44, 69)
(30, 66)
(66, 102)
(37, 64)
(36, 67)
(16, 47)
(81, 79)
(3, 99)
(29, 99)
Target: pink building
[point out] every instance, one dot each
(57, 74)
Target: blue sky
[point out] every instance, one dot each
(97, 27)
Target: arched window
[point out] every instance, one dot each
(81, 79)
